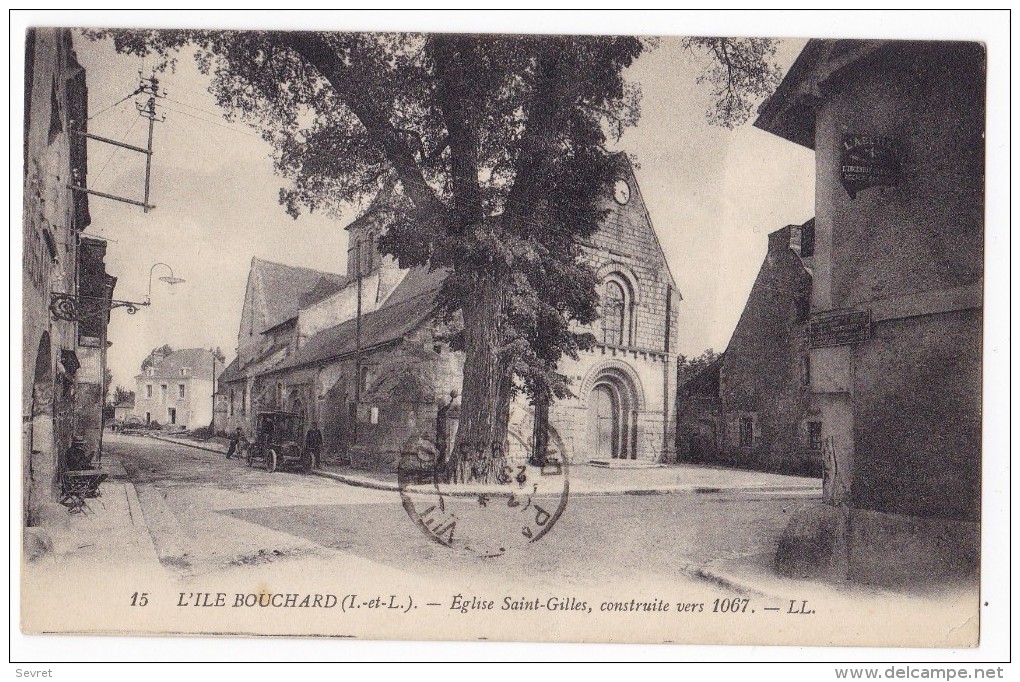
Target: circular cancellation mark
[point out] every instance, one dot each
(485, 504)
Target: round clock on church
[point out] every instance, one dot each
(621, 191)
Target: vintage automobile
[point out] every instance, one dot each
(278, 439)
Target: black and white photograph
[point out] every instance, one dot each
(504, 335)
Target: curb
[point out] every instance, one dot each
(359, 482)
(730, 581)
(138, 521)
(188, 444)
(770, 585)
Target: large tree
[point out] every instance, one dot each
(486, 155)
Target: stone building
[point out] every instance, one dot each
(65, 287)
(176, 390)
(409, 377)
(751, 408)
(124, 409)
(896, 324)
(267, 333)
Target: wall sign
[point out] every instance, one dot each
(868, 161)
(839, 329)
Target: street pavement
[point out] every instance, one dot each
(587, 480)
(176, 522)
(208, 514)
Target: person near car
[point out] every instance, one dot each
(236, 439)
(313, 443)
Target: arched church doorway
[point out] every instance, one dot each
(612, 410)
(608, 422)
(613, 398)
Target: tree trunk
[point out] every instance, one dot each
(479, 453)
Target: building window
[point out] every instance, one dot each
(746, 432)
(148, 390)
(814, 430)
(364, 379)
(231, 406)
(162, 392)
(805, 370)
(180, 390)
(614, 314)
(184, 371)
(244, 400)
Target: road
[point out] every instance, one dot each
(207, 514)
(227, 536)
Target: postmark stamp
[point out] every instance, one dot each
(485, 503)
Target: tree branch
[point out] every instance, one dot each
(454, 64)
(317, 51)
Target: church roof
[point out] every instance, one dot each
(324, 288)
(282, 287)
(230, 373)
(413, 301)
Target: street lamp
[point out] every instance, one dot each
(171, 280)
(74, 308)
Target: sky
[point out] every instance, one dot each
(713, 195)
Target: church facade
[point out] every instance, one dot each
(300, 350)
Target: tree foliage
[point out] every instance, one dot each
(107, 382)
(155, 355)
(688, 368)
(121, 395)
(741, 73)
(485, 155)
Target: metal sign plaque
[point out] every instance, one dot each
(839, 329)
(868, 161)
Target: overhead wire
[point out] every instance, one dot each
(192, 106)
(116, 149)
(205, 120)
(120, 101)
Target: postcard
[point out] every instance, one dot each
(505, 337)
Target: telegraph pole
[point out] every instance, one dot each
(150, 87)
(147, 86)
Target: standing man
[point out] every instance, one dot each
(313, 443)
(236, 439)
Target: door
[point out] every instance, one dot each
(607, 423)
(172, 414)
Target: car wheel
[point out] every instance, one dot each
(271, 462)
